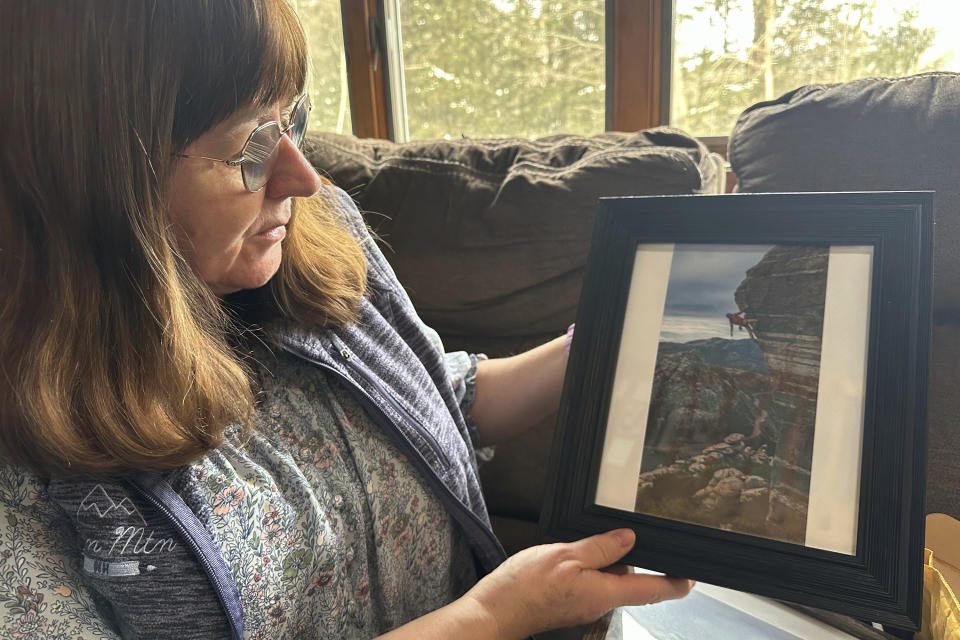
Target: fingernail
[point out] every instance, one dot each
(625, 537)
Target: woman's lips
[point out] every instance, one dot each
(273, 234)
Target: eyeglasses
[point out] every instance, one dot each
(259, 153)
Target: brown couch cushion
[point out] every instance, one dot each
(490, 236)
(879, 134)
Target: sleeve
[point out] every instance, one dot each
(41, 591)
(462, 371)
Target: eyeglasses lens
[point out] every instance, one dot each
(300, 117)
(261, 155)
(261, 148)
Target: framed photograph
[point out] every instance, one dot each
(746, 390)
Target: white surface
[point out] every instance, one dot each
(774, 613)
(763, 609)
(632, 629)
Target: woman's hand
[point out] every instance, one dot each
(546, 587)
(560, 585)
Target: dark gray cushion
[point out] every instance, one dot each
(878, 134)
(490, 236)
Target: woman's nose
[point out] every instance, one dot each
(293, 175)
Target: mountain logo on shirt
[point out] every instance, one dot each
(99, 503)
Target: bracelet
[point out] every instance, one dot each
(566, 344)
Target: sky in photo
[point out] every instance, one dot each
(703, 279)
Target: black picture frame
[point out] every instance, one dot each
(879, 577)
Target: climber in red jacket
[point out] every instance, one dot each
(739, 319)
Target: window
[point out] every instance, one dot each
(729, 54)
(484, 68)
(327, 81)
(426, 69)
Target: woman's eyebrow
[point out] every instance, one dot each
(261, 113)
(266, 112)
(253, 112)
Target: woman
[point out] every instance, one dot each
(220, 414)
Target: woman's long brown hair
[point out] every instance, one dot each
(113, 355)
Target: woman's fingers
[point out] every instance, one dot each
(618, 569)
(623, 587)
(603, 550)
(644, 588)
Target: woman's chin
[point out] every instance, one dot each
(248, 276)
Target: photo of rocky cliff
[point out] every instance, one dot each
(729, 437)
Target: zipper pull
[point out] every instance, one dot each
(346, 355)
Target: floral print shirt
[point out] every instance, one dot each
(329, 530)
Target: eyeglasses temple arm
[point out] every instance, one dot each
(229, 163)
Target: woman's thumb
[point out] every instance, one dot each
(604, 549)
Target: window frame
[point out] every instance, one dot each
(637, 94)
(367, 79)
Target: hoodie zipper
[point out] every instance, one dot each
(431, 440)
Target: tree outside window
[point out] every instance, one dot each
(730, 54)
(490, 68)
